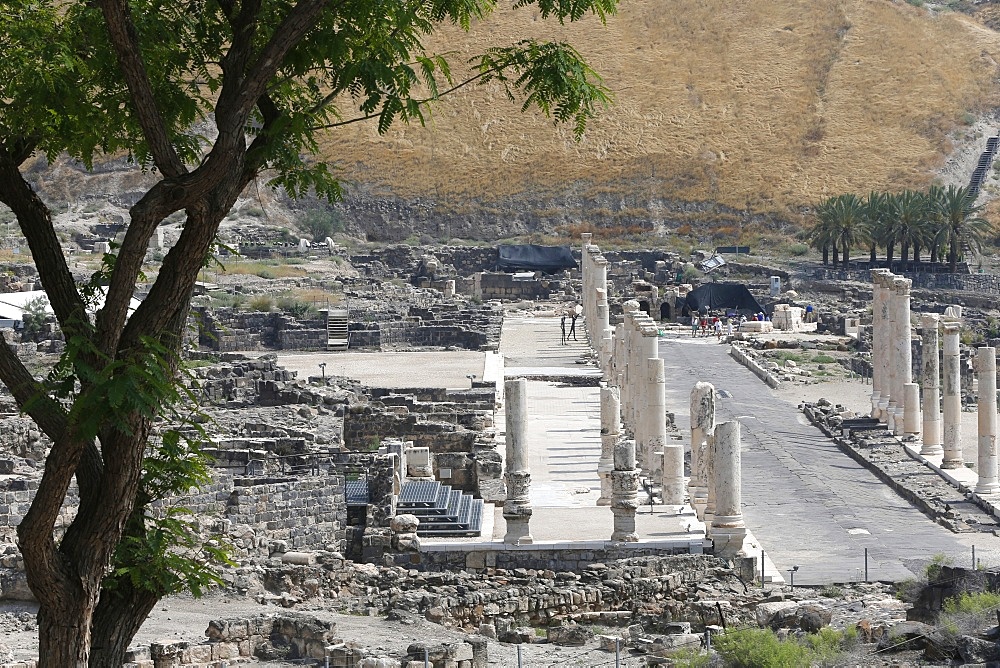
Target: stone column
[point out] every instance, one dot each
(655, 432)
(931, 379)
(911, 409)
(728, 530)
(610, 433)
(986, 370)
(630, 308)
(883, 356)
(952, 395)
(878, 334)
(618, 371)
(892, 362)
(517, 508)
(904, 349)
(625, 484)
(597, 333)
(650, 418)
(702, 423)
(596, 319)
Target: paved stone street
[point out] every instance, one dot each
(805, 501)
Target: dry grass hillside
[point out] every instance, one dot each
(761, 104)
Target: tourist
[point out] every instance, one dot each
(809, 312)
(743, 319)
(694, 325)
(717, 325)
(562, 324)
(729, 328)
(572, 325)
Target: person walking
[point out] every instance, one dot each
(717, 326)
(694, 325)
(572, 326)
(562, 325)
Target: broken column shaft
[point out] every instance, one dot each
(986, 370)
(702, 423)
(931, 380)
(625, 484)
(610, 433)
(952, 399)
(517, 507)
(727, 529)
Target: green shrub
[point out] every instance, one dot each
(824, 359)
(261, 303)
(798, 249)
(322, 224)
(265, 273)
(933, 569)
(760, 648)
(295, 308)
(972, 603)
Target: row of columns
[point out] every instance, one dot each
(937, 415)
(634, 395)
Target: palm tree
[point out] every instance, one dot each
(850, 224)
(910, 220)
(823, 233)
(876, 211)
(960, 224)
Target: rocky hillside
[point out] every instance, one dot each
(755, 106)
(725, 114)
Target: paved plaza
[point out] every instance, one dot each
(808, 503)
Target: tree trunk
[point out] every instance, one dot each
(916, 254)
(826, 254)
(873, 256)
(119, 615)
(847, 256)
(64, 634)
(836, 255)
(953, 256)
(889, 249)
(934, 253)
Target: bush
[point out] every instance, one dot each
(295, 308)
(760, 648)
(261, 303)
(823, 359)
(984, 601)
(798, 249)
(970, 612)
(322, 224)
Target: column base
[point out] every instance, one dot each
(952, 464)
(931, 450)
(991, 487)
(728, 543)
(518, 532)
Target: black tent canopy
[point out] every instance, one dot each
(530, 257)
(716, 296)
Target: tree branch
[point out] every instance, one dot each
(31, 395)
(427, 100)
(125, 41)
(35, 222)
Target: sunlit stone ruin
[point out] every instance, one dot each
(471, 455)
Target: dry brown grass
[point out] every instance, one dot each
(763, 104)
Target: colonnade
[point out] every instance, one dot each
(936, 416)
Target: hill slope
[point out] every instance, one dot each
(764, 106)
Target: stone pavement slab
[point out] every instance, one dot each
(449, 369)
(808, 503)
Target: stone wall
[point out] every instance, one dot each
(308, 513)
(478, 559)
(972, 283)
(503, 286)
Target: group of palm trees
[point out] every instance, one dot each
(939, 220)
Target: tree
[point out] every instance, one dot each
(910, 220)
(848, 213)
(959, 224)
(204, 96)
(876, 212)
(823, 234)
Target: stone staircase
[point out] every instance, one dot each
(443, 511)
(336, 329)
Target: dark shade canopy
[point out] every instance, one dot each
(529, 257)
(717, 296)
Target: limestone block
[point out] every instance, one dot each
(404, 523)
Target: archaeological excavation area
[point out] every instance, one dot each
(468, 461)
